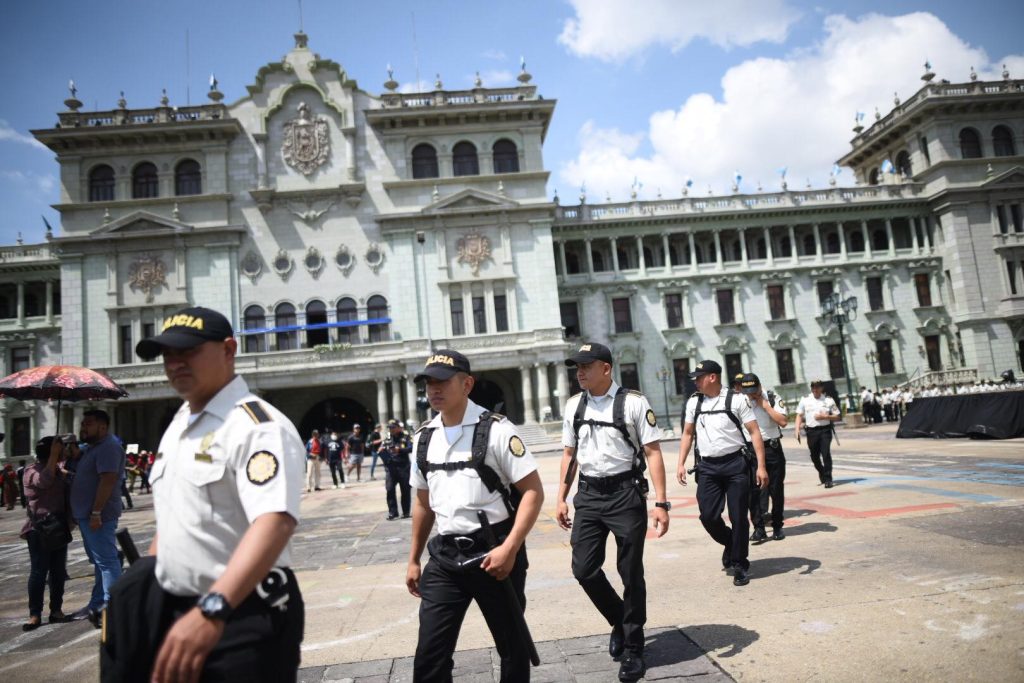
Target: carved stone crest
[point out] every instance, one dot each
(146, 273)
(306, 143)
(474, 249)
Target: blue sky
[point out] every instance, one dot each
(657, 90)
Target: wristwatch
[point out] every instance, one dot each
(666, 506)
(214, 606)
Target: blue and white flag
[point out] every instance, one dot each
(836, 170)
(782, 171)
(860, 116)
(887, 166)
(736, 177)
(689, 181)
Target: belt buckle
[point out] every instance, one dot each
(463, 542)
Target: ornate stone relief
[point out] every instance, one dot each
(474, 250)
(307, 145)
(146, 273)
(374, 257)
(309, 212)
(251, 266)
(344, 259)
(283, 264)
(314, 262)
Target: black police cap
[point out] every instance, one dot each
(186, 329)
(588, 353)
(443, 364)
(706, 367)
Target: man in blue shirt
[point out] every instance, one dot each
(96, 505)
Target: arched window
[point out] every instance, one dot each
(506, 157)
(761, 250)
(145, 184)
(424, 161)
(698, 252)
(598, 260)
(347, 312)
(188, 178)
(970, 144)
(572, 263)
(316, 314)
(873, 177)
(903, 166)
(376, 308)
(832, 243)
(856, 241)
(464, 161)
(101, 184)
(284, 317)
(1002, 142)
(879, 240)
(785, 247)
(254, 319)
(810, 248)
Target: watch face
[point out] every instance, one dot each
(212, 604)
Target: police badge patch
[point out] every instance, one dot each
(261, 468)
(516, 447)
(651, 419)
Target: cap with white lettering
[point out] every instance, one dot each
(186, 329)
(588, 353)
(443, 364)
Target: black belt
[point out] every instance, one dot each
(723, 458)
(610, 484)
(476, 540)
(818, 429)
(774, 443)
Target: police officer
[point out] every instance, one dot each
(469, 461)
(770, 421)
(818, 411)
(395, 450)
(610, 432)
(218, 599)
(716, 417)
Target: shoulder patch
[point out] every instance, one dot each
(694, 394)
(634, 392)
(256, 411)
(497, 417)
(516, 446)
(261, 468)
(651, 419)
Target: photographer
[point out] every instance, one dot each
(45, 494)
(395, 450)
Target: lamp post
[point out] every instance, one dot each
(872, 358)
(840, 311)
(663, 376)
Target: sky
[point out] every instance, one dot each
(651, 93)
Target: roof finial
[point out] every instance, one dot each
(896, 98)
(477, 82)
(524, 76)
(391, 84)
(122, 103)
(164, 101)
(974, 74)
(72, 103)
(438, 85)
(214, 94)
(1006, 73)
(928, 73)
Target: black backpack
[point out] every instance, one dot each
(618, 422)
(481, 436)
(727, 410)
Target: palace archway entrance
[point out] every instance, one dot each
(335, 414)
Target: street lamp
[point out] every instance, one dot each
(872, 358)
(663, 375)
(840, 311)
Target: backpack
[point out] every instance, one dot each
(728, 411)
(618, 422)
(481, 436)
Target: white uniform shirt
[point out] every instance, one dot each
(603, 451)
(456, 496)
(810, 406)
(866, 396)
(769, 430)
(717, 435)
(212, 478)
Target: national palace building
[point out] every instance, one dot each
(347, 233)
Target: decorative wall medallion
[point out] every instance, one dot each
(474, 249)
(283, 264)
(345, 260)
(252, 266)
(314, 262)
(374, 257)
(308, 212)
(306, 143)
(146, 273)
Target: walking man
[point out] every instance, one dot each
(818, 411)
(335, 447)
(770, 421)
(395, 450)
(610, 432)
(314, 448)
(356, 446)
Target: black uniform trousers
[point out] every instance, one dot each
(260, 642)
(720, 482)
(775, 463)
(398, 475)
(623, 513)
(819, 441)
(447, 587)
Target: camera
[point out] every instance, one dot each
(67, 439)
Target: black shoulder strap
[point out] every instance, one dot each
(771, 398)
(422, 444)
(727, 411)
(619, 422)
(577, 418)
(256, 411)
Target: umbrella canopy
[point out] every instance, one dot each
(60, 383)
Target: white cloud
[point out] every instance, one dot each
(39, 183)
(614, 29)
(494, 55)
(494, 78)
(8, 134)
(796, 112)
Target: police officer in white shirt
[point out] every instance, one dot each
(468, 461)
(612, 434)
(770, 420)
(716, 418)
(817, 411)
(218, 600)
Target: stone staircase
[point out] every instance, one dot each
(536, 434)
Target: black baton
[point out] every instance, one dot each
(518, 618)
(124, 538)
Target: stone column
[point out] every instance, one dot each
(693, 251)
(913, 234)
(615, 255)
(543, 390)
(817, 242)
(792, 245)
(924, 234)
(769, 251)
(667, 251)
(396, 399)
(718, 250)
(590, 256)
(382, 401)
(640, 254)
(743, 247)
(21, 303)
(529, 414)
(867, 239)
(562, 382)
(842, 239)
(49, 301)
(411, 414)
(888, 235)
(561, 257)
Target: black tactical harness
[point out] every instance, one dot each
(747, 447)
(618, 422)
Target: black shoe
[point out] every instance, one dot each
(58, 618)
(616, 643)
(392, 517)
(759, 536)
(32, 624)
(80, 615)
(95, 617)
(726, 560)
(632, 668)
(829, 484)
(406, 516)
(777, 534)
(740, 576)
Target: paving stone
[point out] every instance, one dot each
(314, 674)
(358, 669)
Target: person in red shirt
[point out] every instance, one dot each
(313, 460)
